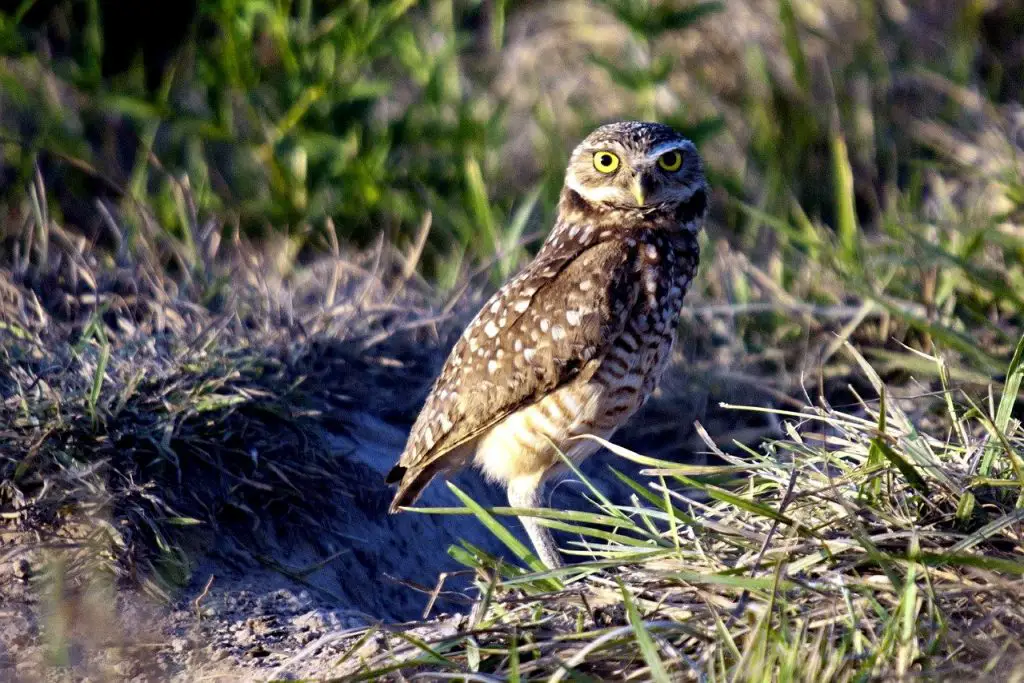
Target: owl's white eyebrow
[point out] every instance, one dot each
(595, 194)
(666, 147)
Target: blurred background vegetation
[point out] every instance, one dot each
(869, 145)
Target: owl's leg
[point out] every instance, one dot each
(526, 493)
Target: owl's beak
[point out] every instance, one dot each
(637, 189)
(643, 187)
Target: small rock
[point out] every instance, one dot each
(179, 644)
(244, 637)
(317, 620)
(258, 652)
(23, 570)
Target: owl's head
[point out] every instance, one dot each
(636, 164)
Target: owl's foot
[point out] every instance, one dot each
(543, 542)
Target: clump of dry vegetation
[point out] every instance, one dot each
(138, 404)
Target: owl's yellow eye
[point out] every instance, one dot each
(606, 162)
(671, 161)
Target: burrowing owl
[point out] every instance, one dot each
(576, 342)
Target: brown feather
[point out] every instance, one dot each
(415, 479)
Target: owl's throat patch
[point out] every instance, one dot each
(693, 208)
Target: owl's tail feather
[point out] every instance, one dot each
(413, 479)
(395, 475)
(412, 483)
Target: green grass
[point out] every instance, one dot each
(861, 279)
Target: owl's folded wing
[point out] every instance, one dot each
(534, 335)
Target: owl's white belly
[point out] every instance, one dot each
(526, 444)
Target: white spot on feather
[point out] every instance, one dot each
(491, 330)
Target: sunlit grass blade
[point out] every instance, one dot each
(1011, 388)
(496, 528)
(846, 215)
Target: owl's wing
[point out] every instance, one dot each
(532, 336)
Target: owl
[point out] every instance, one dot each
(575, 343)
